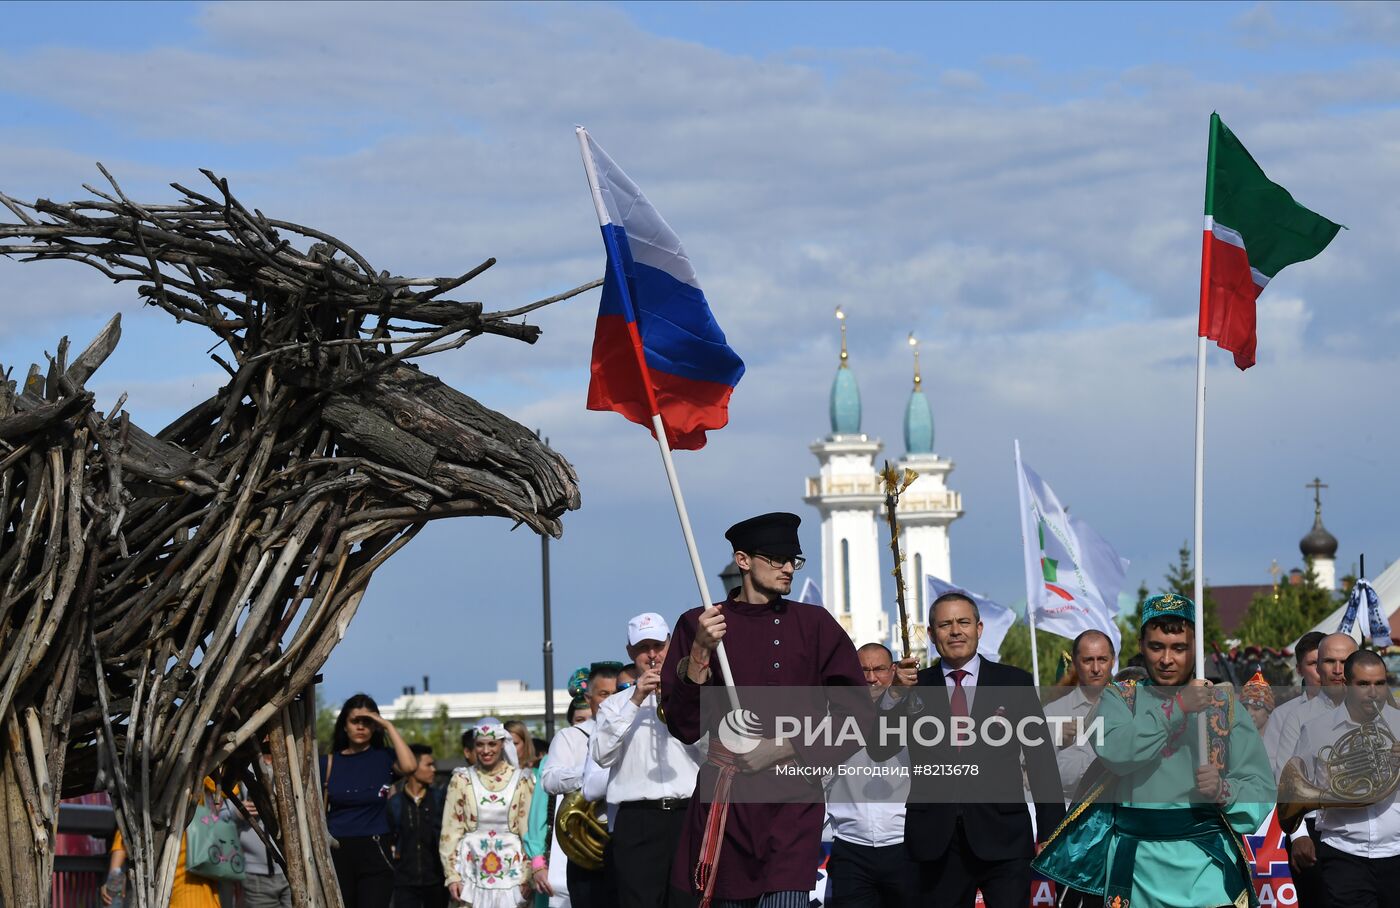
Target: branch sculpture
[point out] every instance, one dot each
(166, 600)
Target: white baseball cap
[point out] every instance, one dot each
(647, 626)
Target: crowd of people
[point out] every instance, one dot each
(1149, 810)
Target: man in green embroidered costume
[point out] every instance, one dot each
(1157, 824)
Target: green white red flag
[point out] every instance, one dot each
(1253, 230)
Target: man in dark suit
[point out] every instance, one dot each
(967, 824)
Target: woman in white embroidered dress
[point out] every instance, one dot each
(484, 825)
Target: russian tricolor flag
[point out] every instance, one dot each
(657, 349)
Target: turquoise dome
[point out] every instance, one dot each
(918, 425)
(845, 403)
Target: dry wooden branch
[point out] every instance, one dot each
(166, 599)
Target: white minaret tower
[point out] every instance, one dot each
(847, 494)
(926, 509)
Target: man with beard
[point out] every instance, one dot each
(740, 853)
(1162, 822)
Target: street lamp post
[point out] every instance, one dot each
(548, 635)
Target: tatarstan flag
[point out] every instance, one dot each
(1253, 231)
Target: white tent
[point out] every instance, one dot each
(1387, 587)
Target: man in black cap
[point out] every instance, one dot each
(766, 855)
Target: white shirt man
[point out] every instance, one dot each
(1281, 731)
(562, 774)
(865, 804)
(1332, 653)
(650, 775)
(1358, 847)
(1071, 716)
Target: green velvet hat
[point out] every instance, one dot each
(1168, 605)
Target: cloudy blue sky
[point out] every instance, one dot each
(1020, 184)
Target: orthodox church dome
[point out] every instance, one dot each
(1318, 543)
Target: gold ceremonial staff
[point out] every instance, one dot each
(896, 482)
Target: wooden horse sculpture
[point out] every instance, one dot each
(166, 600)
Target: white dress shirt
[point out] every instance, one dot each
(563, 772)
(1281, 731)
(1366, 832)
(1073, 758)
(866, 806)
(595, 787)
(1321, 705)
(645, 762)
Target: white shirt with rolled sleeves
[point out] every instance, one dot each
(1365, 832)
(1073, 756)
(644, 762)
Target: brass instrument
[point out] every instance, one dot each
(582, 834)
(1361, 767)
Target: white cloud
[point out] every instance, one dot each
(1047, 251)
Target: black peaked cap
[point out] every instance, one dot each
(768, 534)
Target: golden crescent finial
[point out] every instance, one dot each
(914, 343)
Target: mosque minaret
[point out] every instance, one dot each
(847, 495)
(926, 509)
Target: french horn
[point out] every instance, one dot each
(1361, 770)
(582, 834)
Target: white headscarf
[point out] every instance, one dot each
(492, 728)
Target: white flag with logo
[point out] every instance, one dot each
(996, 619)
(1072, 574)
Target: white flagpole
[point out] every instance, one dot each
(1030, 591)
(660, 429)
(1198, 589)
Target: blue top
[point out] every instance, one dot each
(359, 793)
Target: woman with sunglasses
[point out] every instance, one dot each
(356, 775)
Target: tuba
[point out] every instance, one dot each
(581, 834)
(1362, 769)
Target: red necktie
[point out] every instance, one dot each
(959, 697)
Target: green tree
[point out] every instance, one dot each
(1129, 646)
(325, 724)
(1016, 649)
(1181, 579)
(1275, 619)
(1142, 593)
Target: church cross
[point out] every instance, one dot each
(1317, 485)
